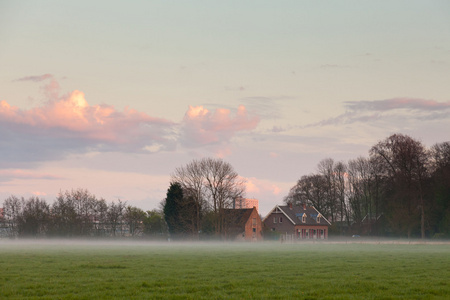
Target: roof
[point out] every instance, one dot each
(295, 214)
(238, 217)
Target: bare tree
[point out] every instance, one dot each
(440, 188)
(212, 184)
(12, 209)
(310, 189)
(223, 186)
(34, 218)
(114, 216)
(403, 161)
(340, 183)
(73, 213)
(100, 217)
(191, 179)
(326, 169)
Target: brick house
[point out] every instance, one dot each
(298, 221)
(243, 224)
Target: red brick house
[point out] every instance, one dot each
(243, 224)
(298, 221)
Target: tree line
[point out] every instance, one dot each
(77, 213)
(401, 189)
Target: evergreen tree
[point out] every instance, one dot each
(172, 208)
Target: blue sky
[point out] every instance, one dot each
(113, 96)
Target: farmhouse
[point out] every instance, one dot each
(243, 224)
(298, 221)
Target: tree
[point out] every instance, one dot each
(12, 209)
(440, 188)
(100, 217)
(73, 213)
(210, 184)
(134, 217)
(310, 189)
(326, 169)
(154, 224)
(34, 218)
(222, 185)
(191, 179)
(114, 216)
(340, 178)
(172, 208)
(403, 162)
(364, 192)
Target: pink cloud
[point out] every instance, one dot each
(202, 127)
(9, 174)
(68, 124)
(38, 193)
(257, 187)
(73, 114)
(273, 154)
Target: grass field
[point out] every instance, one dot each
(224, 271)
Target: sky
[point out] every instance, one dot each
(113, 96)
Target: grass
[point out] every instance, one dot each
(224, 271)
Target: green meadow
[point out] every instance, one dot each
(68, 270)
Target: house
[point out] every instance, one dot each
(243, 224)
(297, 221)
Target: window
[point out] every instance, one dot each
(274, 219)
(318, 218)
(281, 219)
(254, 229)
(254, 221)
(304, 218)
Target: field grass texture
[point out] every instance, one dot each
(68, 270)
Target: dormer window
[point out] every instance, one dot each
(318, 218)
(304, 218)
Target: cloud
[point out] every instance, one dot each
(265, 107)
(273, 154)
(50, 89)
(395, 109)
(38, 78)
(68, 124)
(202, 127)
(276, 129)
(397, 103)
(9, 174)
(240, 88)
(257, 187)
(72, 116)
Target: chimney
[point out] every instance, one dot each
(290, 205)
(304, 206)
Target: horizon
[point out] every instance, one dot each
(113, 97)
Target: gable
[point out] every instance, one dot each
(301, 215)
(278, 210)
